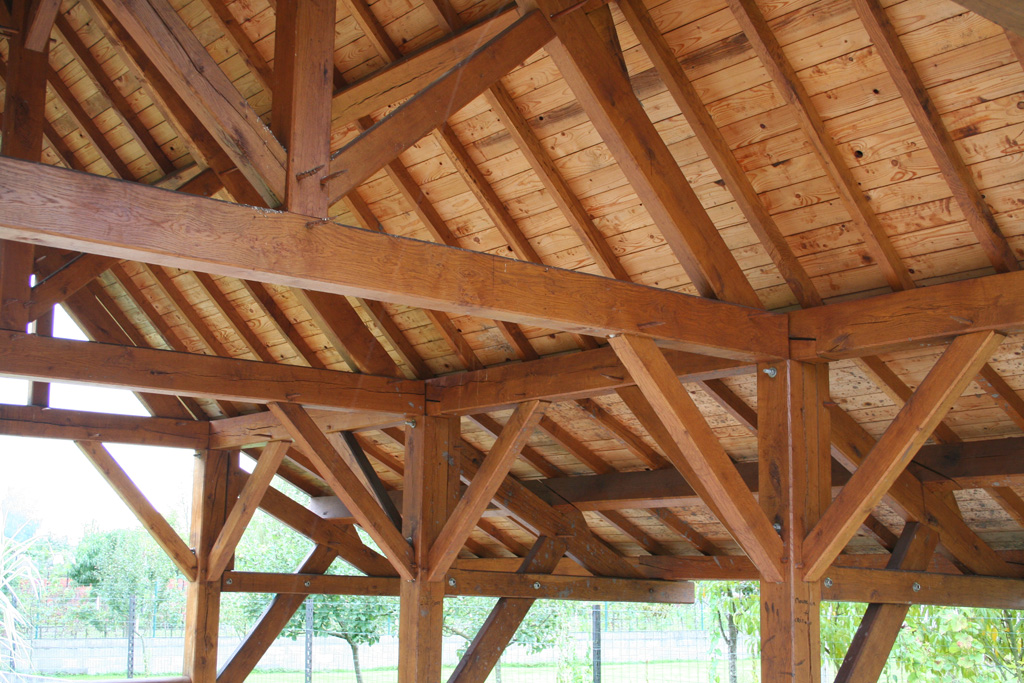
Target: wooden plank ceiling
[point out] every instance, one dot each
(843, 149)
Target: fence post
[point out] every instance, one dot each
(131, 636)
(595, 629)
(309, 639)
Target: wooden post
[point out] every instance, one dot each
(431, 492)
(202, 606)
(23, 123)
(794, 489)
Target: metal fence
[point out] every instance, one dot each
(355, 640)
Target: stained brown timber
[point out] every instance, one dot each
(166, 537)
(976, 464)
(171, 372)
(195, 77)
(597, 80)
(412, 73)
(470, 583)
(855, 584)
(585, 374)
(56, 288)
(928, 315)
(701, 454)
(51, 206)
(40, 25)
(881, 623)
(959, 178)
(1007, 13)
(79, 425)
(890, 456)
(470, 77)
(257, 428)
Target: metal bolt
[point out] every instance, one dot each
(306, 584)
(915, 587)
(451, 582)
(228, 581)
(777, 526)
(771, 372)
(828, 582)
(410, 423)
(536, 585)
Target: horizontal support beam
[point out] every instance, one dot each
(927, 315)
(557, 587)
(68, 210)
(922, 588)
(258, 428)
(80, 425)
(184, 374)
(560, 378)
(973, 464)
(470, 583)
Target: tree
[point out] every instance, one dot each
(18, 578)
(735, 613)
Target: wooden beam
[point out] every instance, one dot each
(481, 490)
(21, 136)
(562, 377)
(881, 622)
(301, 106)
(257, 428)
(247, 51)
(193, 74)
(343, 327)
(501, 624)
(465, 81)
(202, 602)
(273, 620)
(170, 372)
(851, 584)
(244, 508)
(702, 454)
(165, 537)
(79, 425)
(936, 136)
(851, 444)
(40, 25)
(412, 73)
(557, 587)
(431, 494)
(711, 139)
(343, 481)
(530, 455)
(794, 474)
(597, 80)
(56, 288)
(929, 315)
(68, 210)
(308, 584)
(890, 456)
(765, 44)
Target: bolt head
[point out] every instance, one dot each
(228, 581)
(916, 587)
(828, 582)
(777, 526)
(771, 372)
(451, 582)
(306, 584)
(536, 585)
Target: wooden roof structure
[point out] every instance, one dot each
(679, 290)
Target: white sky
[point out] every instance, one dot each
(54, 483)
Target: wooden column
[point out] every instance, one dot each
(23, 123)
(431, 492)
(794, 489)
(202, 606)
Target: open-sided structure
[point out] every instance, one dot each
(574, 299)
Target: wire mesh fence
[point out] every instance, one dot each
(340, 639)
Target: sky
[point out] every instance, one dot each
(51, 481)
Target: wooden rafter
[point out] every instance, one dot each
(890, 456)
(166, 537)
